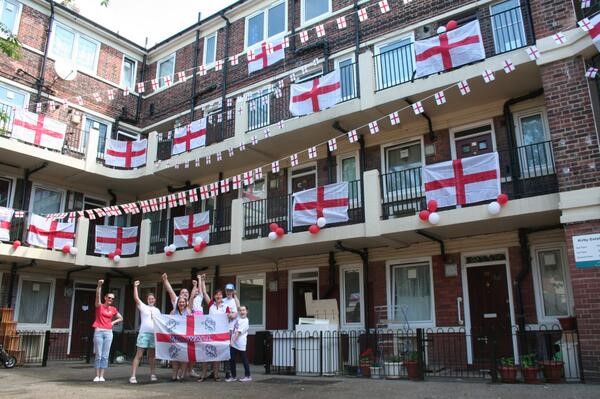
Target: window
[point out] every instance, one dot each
(411, 293)
(347, 77)
(9, 16)
(313, 10)
(395, 63)
(266, 24)
(210, 49)
(252, 295)
(165, 67)
(348, 171)
(535, 150)
(35, 302)
(507, 25)
(128, 73)
(302, 178)
(352, 296)
(258, 109)
(46, 200)
(6, 192)
(11, 98)
(103, 129)
(403, 162)
(552, 284)
(71, 45)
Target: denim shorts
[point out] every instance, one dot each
(145, 340)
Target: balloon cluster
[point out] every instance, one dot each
(315, 228)
(115, 255)
(430, 215)
(170, 249)
(452, 24)
(199, 244)
(494, 207)
(276, 231)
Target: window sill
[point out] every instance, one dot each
(310, 22)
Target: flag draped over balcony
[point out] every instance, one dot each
(267, 55)
(125, 154)
(6, 215)
(463, 181)
(188, 137)
(330, 202)
(316, 95)
(188, 228)
(595, 30)
(38, 129)
(112, 238)
(449, 50)
(51, 234)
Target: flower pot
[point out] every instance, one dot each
(412, 370)
(376, 372)
(530, 375)
(365, 369)
(508, 374)
(553, 371)
(568, 323)
(392, 370)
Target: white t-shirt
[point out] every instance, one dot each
(213, 309)
(197, 305)
(230, 303)
(241, 325)
(147, 313)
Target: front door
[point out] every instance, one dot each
(84, 312)
(489, 307)
(299, 304)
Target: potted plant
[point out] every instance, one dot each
(530, 369)
(568, 323)
(553, 369)
(412, 366)
(365, 360)
(508, 370)
(376, 371)
(391, 367)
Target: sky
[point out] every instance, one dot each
(155, 19)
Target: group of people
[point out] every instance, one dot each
(184, 304)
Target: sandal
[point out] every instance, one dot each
(201, 379)
(217, 379)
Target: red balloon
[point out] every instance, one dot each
(452, 24)
(432, 205)
(118, 251)
(198, 248)
(65, 249)
(111, 255)
(424, 215)
(203, 244)
(280, 232)
(273, 226)
(16, 244)
(502, 199)
(314, 229)
(169, 253)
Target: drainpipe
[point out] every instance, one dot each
(224, 73)
(113, 201)
(434, 238)
(219, 210)
(293, 30)
(330, 166)
(364, 255)
(429, 123)
(40, 80)
(196, 49)
(138, 107)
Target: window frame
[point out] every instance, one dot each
(19, 5)
(523, 36)
(474, 125)
(75, 47)
(361, 323)
(134, 77)
(265, 36)
(50, 312)
(354, 92)
(305, 22)
(204, 53)
(48, 187)
(377, 52)
(314, 170)
(266, 92)
(399, 143)
(84, 142)
(255, 327)
(524, 170)
(25, 94)
(161, 85)
(11, 194)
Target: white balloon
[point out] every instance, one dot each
(73, 251)
(172, 248)
(198, 240)
(494, 208)
(434, 218)
(117, 258)
(441, 29)
(166, 249)
(321, 222)
(272, 236)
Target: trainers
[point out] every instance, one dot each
(194, 374)
(96, 379)
(230, 379)
(101, 379)
(153, 378)
(245, 379)
(132, 380)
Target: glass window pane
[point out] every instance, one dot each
(276, 20)
(35, 299)
(315, 8)
(532, 128)
(128, 73)
(554, 288)
(5, 189)
(412, 293)
(349, 169)
(62, 46)
(507, 23)
(9, 14)
(251, 296)
(210, 50)
(256, 29)
(165, 68)
(352, 297)
(86, 53)
(46, 201)
(533, 151)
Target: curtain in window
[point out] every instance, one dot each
(352, 297)
(554, 288)
(412, 293)
(46, 201)
(35, 299)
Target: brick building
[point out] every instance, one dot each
(384, 266)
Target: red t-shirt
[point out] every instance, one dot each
(104, 316)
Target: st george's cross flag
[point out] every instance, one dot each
(38, 129)
(595, 30)
(112, 238)
(48, 233)
(190, 136)
(125, 154)
(192, 338)
(463, 181)
(187, 228)
(267, 55)
(6, 215)
(316, 95)
(457, 47)
(330, 202)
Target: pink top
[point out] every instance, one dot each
(104, 316)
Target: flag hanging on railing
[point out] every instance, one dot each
(38, 129)
(6, 215)
(265, 56)
(595, 31)
(125, 154)
(190, 227)
(316, 95)
(48, 233)
(112, 238)
(330, 202)
(188, 137)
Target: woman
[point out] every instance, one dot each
(145, 338)
(216, 306)
(181, 309)
(103, 335)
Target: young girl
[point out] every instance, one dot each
(103, 334)
(145, 338)
(181, 309)
(239, 339)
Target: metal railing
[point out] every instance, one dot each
(259, 214)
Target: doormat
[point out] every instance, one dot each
(294, 381)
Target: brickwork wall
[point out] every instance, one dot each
(61, 313)
(551, 16)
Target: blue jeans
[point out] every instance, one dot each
(233, 354)
(102, 341)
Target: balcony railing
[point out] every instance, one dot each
(259, 214)
(502, 31)
(91, 240)
(526, 171)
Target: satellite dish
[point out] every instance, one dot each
(65, 70)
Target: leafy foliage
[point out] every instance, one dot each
(9, 44)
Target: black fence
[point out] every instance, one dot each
(259, 214)
(38, 347)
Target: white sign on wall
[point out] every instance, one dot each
(587, 250)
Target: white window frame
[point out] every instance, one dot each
(389, 265)
(133, 81)
(345, 324)
(469, 126)
(377, 51)
(321, 17)
(204, 53)
(19, 6)
(255, 327)
(261, 93)
(291, 175)
(537, 281)
(19, 91)
(265, 36)
(161, 84)
(524, 170)
(346, 155)
(77, 35)
(49, 314)
(352, 59)
(84, 142)
(387, 146)
(49, 188)
(497, 49)
(290, 290)
(13, 187)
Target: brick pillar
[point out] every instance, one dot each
(571, 122)
(552, 16)
(586, 286)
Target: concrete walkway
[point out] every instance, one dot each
(74, 380)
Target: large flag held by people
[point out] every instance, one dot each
(186, 229)
(188, 137)
(38, 129)
(316, 95)
(114, 239)
(192, 338)
(463, 181)
(51, 234)
(6, 215)
(448, 50)
(330, 202)
(267, 55)
(125, 154)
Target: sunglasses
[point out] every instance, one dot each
(112, 298)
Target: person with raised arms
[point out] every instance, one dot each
(106, 317)
(145, 338)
